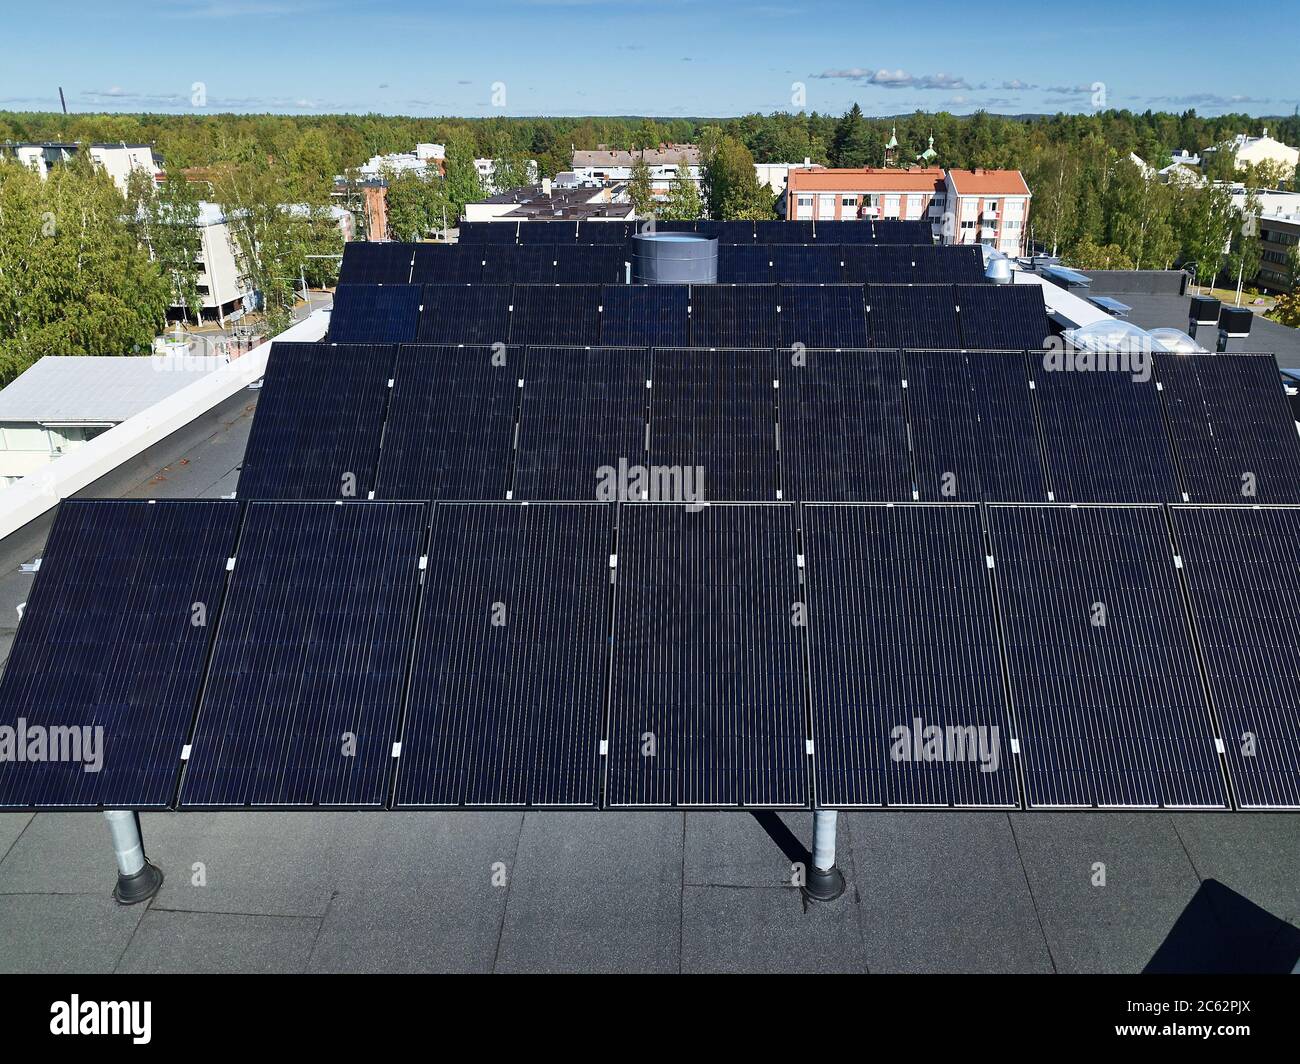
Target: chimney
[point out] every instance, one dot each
(807, 161)
(546, 186)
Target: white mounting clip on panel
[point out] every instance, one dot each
(424, 562)
(397, 749)
(230, 565)
(1015, 745)
(613, 561)
(185, 752)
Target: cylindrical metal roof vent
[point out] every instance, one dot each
(998, 271)
(674, 258)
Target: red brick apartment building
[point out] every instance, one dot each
(963, 206)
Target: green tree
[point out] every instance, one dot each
(852, 144)
(731, 186)
(684, 203)
(461, 185)
(415, 205)
(73, 278)
(640, 191)
(167, 225)
(1286, 309)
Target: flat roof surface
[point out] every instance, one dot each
(662, 892)
(96, 388)
(1153, 311)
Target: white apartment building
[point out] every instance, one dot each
(1251, 151)
(859, 193)
(117, 160)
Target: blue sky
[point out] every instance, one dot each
(661, 57)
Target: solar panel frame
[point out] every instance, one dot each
(448, 264)
(832, 315)
(488, 232)
(372, 262)
(902, 639)
(583, 413)
(465, 314)
(1243, 602)
(375, 314)
(1105, 683)
(506, 702)
(713, 415)
(115, 635)
(744, 264)
(951, 264)
(589, 264)
(304, 690)
(1232, 427)
(609, 232)
(843, 432)
(923, 316)
(319, 421)
(518, 264)
(797, 232)
(550, 233)
(556, 315)
(1002, 317)
(451, 424)
(1127, 457)
(974, 429)
(725, 315)
(703, 609)
(807, 264)
(640, 315)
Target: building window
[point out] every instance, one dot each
(849, 201)
(805, 201)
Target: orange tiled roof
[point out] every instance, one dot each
(865, 179)
(989, 182)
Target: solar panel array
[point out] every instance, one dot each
(721, 315)
(485, 422)
(738, 263)
(842, 534)
(656, 654)
(866, 231)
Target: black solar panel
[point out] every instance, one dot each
(870, 264)
(681, 226)
(305, 688)
(713, 425)
(466, 314)
(807, 264)
(909, 707)
(551, 233)
(582, 420)
(734, 316)
(508, 686)
(556, 314)
(843, 426)
(645, 315)
(974, 433)
(451, 423)
(744, 264)
(1234, 432)
(448, 264)
(841, 231)
(823, 315)
(1245, 596)
(512, 264)
(488, 232)
(320, 414)
(707, 692)
(733, 232)
(1104, 678)
(365, 262)
(105, 669)
(375, 314)
(1104, 435)
(605, 232)
(589, 264)
(922, 316)
(1002, 317)
(952, 264)
(783, 232)
(898, 231)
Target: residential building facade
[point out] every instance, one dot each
(820, 193)
(664, 163)
(119, 161)
(987, 207)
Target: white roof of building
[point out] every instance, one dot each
(66, 389)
